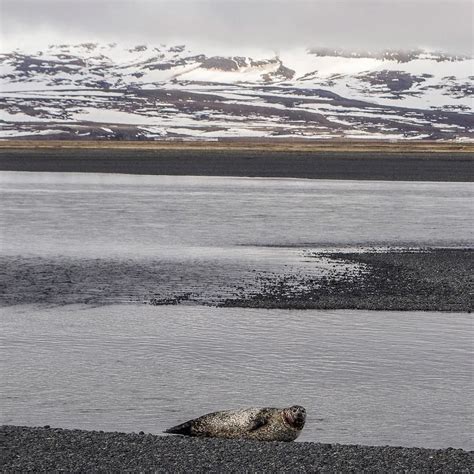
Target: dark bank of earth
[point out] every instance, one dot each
(52, 450)
(261, 162)
(429, 280)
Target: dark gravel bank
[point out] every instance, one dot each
(429, 280)
(53, 450)
(365, 165)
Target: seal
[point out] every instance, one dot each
(262, 424)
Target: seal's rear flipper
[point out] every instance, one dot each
(182, 429)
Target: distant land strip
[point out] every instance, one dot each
(425, 146)
(414, 161)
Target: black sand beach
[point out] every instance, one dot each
(52, 450)
(257, 162)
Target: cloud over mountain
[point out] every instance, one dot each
(270, 24)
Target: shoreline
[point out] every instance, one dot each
(386, 162)
(55, 449)
(392, 280)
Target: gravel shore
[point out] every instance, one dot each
(397, 280)
(46, 449)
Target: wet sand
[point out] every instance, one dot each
(395, 163)
(431, 280)
(52, 450)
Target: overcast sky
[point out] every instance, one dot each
(251, 24)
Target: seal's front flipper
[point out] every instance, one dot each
(260, 420)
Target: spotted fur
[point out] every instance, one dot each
(263, 424)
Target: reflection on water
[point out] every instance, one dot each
(364, 377)
(90, 215)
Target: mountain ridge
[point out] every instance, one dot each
(107, 91)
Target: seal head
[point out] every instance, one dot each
(295, 416)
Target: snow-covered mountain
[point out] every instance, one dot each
(95, 91)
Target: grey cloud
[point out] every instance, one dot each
(367, 24)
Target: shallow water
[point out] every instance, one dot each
(201, 218)
(364, 377)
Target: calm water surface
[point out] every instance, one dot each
(231, 218)
(364, 377)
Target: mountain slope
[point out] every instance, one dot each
(163, 92)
